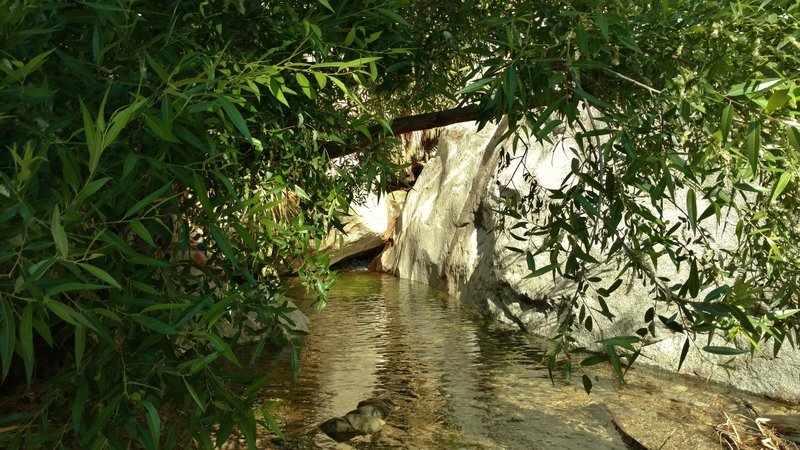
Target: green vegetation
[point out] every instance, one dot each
(130, 127)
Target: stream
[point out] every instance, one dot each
(458, 381)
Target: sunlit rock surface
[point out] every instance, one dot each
(369, 226)
(451, 237)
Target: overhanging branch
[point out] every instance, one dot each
(402, 125)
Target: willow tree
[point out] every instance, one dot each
(131, 127)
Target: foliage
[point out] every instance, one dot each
(130, 128)
(693, 109)
(130, 131)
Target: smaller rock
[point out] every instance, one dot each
(364, 424)
(516, 417)
(375, 407)
(339, 429)
(366, 419)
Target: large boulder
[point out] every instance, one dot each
(453, 238)
(369, 226)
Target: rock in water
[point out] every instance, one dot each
(339, 429)
(375, 407)
(364, 424)
(366, 419)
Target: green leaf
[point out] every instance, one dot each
(59, 235)
(90, 189)
(684, 352)
(475, 86)
(592, 99)
(588, 207)
(510, 86)
(784, 314)
(691, 209)
(541, 271)
(594, 360)
(587, 384)
(201, 192)
(753, 87)
(160, 129)
(614, 286)
(8, 334)
(26, 340)
(394, 16)
(80, 345)
(783, 181)
(602, 24)
(613, 359)
(305, 85)
(351, 36)
(101, 274)
(326, 4)
(753, 145)
(728, 351)
(630, 43)
(222, 347)
(693, 282)
(153, 421)
(35, 63)
(322, 79)
(103, 416)
(622, 341)
(236, 117)
(192, 311)
(154, 324)
(224, 244)
(583, 40)
(193, 394)
(72, 287)
(373, 70)
(725, 123)
(276, 88)
(119, 120)
(79, 404)
(793, 136)
(93, 138)
(142, 232)
(741, 316)
(157, 68)
(716, 293)
(776, 100)
(66, 313)
(148, 199)
(272, 425)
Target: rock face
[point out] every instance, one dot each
(451, 237)
(369, 226)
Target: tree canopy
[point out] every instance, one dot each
(131, 128)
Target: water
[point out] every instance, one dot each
(460, 382)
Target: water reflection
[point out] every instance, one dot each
(459, 382)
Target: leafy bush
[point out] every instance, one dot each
(131, 130)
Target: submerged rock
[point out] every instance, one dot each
(375, 407)
(365, 420)
(339, 429)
